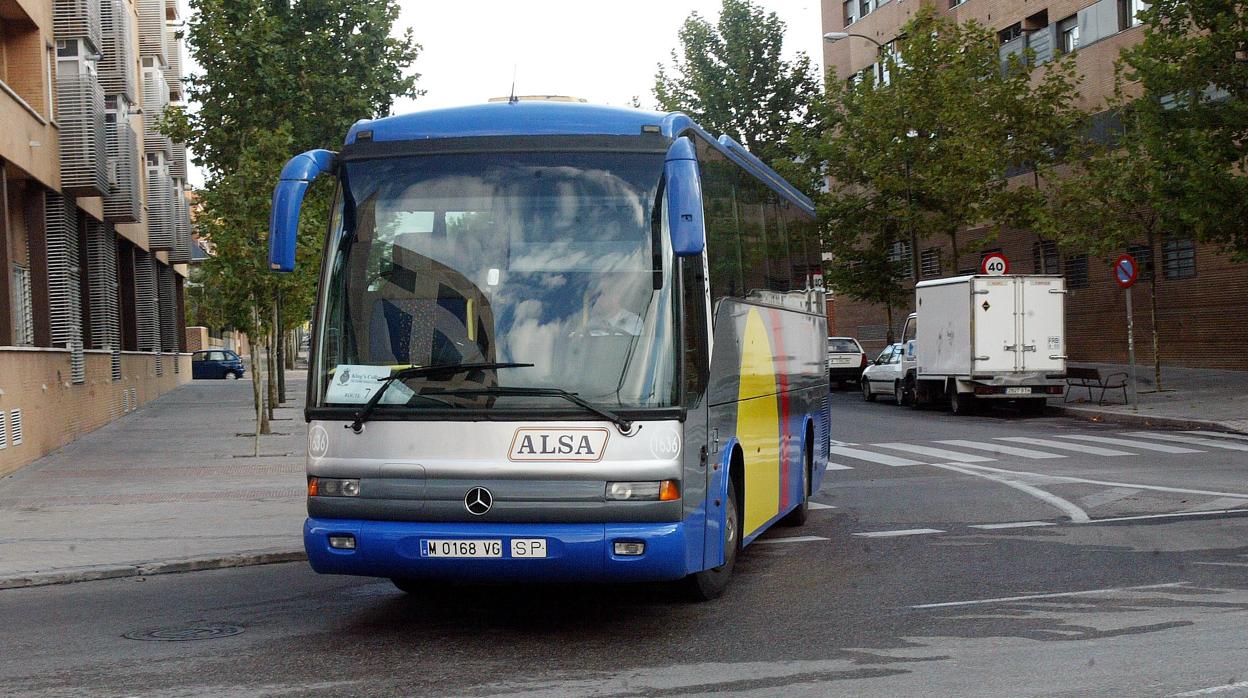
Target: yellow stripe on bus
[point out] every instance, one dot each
(758, 425)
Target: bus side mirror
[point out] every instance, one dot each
(298, 173)
(684, 199)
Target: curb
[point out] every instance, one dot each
(145, 569)
(1141, 420)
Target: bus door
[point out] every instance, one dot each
(699, 493)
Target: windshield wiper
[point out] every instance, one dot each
(625, 426)
(447, 370)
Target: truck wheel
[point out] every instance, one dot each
(866, 390)
(710, 584)
(961, 404)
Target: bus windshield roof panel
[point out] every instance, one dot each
(558, 119)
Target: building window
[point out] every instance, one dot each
(1178, 258)
(955, 3)
(1077, 271)
(1128, 13)
(1010, 33)
(899, 253)
(1045, 258)
(929, 262)
(864, 8)
(1143, 255)
(1068, 34)
(850, 7)
(23, 311)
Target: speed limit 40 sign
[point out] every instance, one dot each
(994, 264)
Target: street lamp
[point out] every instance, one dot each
(833, 37)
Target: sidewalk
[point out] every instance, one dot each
(1193, 398)
(170, 487)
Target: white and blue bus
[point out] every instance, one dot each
(556, 341)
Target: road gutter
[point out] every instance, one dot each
(146, 569)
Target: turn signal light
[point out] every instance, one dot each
(333, 487)
(669, 491)
(313, 487)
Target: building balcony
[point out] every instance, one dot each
(77, 19)
(181, 252)
(155, 99)
(177, 163)
(84, 155)
(124, 203)
(152, 34)
(161, 219)
(173, 74)
(117, 57)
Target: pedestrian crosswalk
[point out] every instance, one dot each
(1054, 446)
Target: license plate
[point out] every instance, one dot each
(461, 548)
(528, 547)
(1018, 391)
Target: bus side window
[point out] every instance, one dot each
(693, 341)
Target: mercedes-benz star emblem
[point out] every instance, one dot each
(478, 501)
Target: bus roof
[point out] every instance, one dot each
(548, 118)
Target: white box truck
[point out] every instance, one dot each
(978, 337)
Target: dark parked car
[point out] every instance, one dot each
(216, 363)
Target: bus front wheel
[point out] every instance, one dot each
(710, 584)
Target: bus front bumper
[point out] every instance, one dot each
(573, 552)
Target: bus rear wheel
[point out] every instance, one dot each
(798, 516)
(710, 584)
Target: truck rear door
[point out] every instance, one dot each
(1043, 324)
(993, 306)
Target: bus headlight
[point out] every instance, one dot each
(333, 487)
(661, 491)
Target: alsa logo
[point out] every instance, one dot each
(558, 444)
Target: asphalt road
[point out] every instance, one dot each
(1026, 559)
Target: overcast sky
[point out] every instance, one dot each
(605, 52)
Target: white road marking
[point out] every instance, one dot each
(881, 458)
(938, 453)
(794, 539)
(1228, 445)
(999, 448)
(1076, 514)
(901, 532)
(1224, 688)
(1219, 434)
(1104, 497)
(834, 442)
(1222, 564)
(1173, 515)
(1108, 483)
(1057, 595)
(1219, 503)
(1014, 524)
(815, 506)
(1089, 450)
(1128, 442)
(838, 466)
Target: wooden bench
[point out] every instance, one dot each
(1092, 379)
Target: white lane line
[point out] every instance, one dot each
(937, 453)
(1174, 515)
(1131, 443)
(1212, 690)
(1108, 483)
(1080, 448)
(1000, 448)
(1057, 595)
(1222, 564)
(1219, 434)
(871, 456)
(1013, 524)
(838, 466)
(794, 539)
(816, 506)
(1228, 445)
(1068, 508)
(901, 532)
(834, 442)
(1219, 503)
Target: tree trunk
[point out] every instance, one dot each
(271, 363)
(262, 421)
(1152, 313)
(280, 334)
(891, 336)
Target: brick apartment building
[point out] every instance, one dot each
(1201, 295)
(93, 214)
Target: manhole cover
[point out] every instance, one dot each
(179, 633)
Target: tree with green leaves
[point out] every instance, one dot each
(278, 77)
(732, 78)
(920, 150)
(1175, 165)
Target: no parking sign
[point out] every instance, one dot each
(1126, 271)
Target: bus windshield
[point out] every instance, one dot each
(551, 259)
